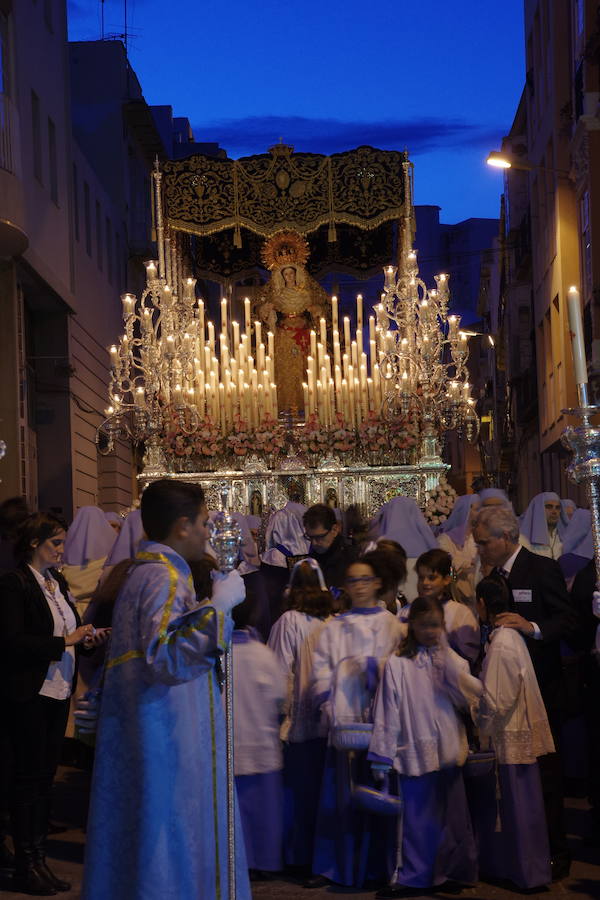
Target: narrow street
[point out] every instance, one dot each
(66, 850)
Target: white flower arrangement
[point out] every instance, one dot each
(440, 503)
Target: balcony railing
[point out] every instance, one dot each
(6, 156)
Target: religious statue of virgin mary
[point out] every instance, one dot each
(291, 304)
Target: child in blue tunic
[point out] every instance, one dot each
(418, 733)
(511, 830)
(350, 846)
(259, 688)
(292, 639)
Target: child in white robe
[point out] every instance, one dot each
(419, 734)
(513, 716)
(292, 639)
(258, 698)
(346, 850)
(434, 581)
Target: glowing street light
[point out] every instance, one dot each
(500, 160)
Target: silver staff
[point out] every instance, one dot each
(584, 443)
(226, 540)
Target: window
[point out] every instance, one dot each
(99, 235)
(109, 258)
(52, 165)
(87, 217)
(36, 137)
(75, 202)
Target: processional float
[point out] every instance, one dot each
(208, 400)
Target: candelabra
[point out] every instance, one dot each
(165, 373)
(424, 364)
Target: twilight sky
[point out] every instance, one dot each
(442, 79)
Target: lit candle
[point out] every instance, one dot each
(190, 285)
(345, 402)
(222, 408)
(359, 340)
(128, 301)
(577, 342)
(359, 311)
(313, 343)
(257, 334)
(114, 355)
(201, 333)
(337, 352)
(271, 344)
(305, 393)
(150, 270)
(247, 317)
(224, 315)
(346, 335)
(224, 348)
(323, 331)
(236, 337)
(261, 357)
(337, 374)
(334, 312)
(346, 362)
(211, 338)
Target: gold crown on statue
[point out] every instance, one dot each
(285, 248)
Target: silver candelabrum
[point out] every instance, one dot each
(584, 443)
(226, 540)
(424, 364)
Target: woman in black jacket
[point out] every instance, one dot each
(40, 635)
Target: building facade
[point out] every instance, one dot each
(74, 229)
(551, 215)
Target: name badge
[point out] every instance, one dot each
(521, 596)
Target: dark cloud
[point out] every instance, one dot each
(254, 134)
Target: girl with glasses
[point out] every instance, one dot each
(349, 848)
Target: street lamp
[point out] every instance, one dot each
(498, 159)
(501, 160)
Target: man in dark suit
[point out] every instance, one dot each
(328, 546)
(584, 599)
(543, 615)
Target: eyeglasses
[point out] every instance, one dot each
(361, 579)
(317, 538)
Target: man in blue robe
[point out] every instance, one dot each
(158, 816)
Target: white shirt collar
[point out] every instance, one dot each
(507, 567)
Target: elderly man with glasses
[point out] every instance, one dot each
(328, 546)
(542, 613)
